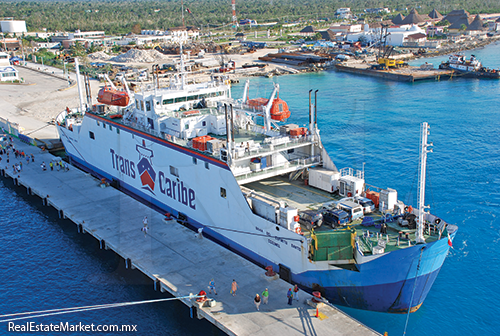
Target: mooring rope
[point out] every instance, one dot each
(413, 292)
(52, 312)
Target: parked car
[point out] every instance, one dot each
(335, 217)
(310, 219)
(366, 203)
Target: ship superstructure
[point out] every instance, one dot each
(265, 189)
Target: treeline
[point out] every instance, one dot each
(119, 17)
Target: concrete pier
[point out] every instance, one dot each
(174, 257)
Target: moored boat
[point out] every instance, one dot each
(471, 67)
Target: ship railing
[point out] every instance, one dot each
(266, 148)
(367, 242)
(351, 172)
(140, 127)
(296, 164)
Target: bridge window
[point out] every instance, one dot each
(91, 135)
(168, 101)
(148, 105)
(206, 165)
(222, 192)
(195, 160)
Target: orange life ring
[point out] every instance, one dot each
(298, 230)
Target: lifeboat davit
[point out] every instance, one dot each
(279, 110)
(110, 96)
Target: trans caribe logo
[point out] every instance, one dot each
(173, 188)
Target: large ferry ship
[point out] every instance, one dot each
(234, 170)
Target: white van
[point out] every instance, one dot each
(354, 210)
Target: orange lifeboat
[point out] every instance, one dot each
(279, 110)
(110, 96)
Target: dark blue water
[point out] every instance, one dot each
(46, 264)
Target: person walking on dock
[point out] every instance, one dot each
(256, 300)
(296, 292)
(51, 164)
(265, 296)
(44, 168)
(145, 225)
(234, 287)
(289, 295)
(211, 286)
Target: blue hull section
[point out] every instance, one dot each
(393, 282)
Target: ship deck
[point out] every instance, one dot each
(304, 197)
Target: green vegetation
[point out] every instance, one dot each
(121, 17)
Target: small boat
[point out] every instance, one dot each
(471, 67)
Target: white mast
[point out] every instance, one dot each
(424, 132)
(79, 83)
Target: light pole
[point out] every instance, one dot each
(64, 71)
(42, 64)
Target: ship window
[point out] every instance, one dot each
(174, 171)
(206, 165)
(187, 126)
(192, 97)
(97, 121)
(103, 125)
(195, 160)
(91, 135)
(180, 99)
(137, 104)
(222, 192)
(148, 105)
(167, 101)
(110, 127)
(203, 96)
(118, 130)
(142, 105)
(203, 123)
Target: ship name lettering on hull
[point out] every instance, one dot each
(123, 165)
(177, 191)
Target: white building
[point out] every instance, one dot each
(343, 13)
(86, 35)
(343, 28)
(13, 27)
(396, 35)
(7, 72)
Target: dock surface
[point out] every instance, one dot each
(174, 257)
(406, 74)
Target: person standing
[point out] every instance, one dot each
(289, 295)
(211, 286)
(256, 300)
(145, 225)
(51, 164)
(234, 287)
(296, 292)
(265, 296)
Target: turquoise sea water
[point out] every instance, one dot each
(46, 264)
